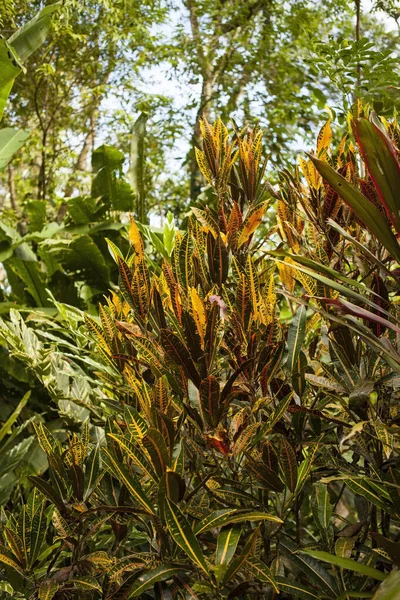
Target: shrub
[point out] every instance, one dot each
(240, 446)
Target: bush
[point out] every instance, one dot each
(240, 438)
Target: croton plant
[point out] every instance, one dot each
(241, 438)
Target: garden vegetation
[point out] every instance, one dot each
(209, 410)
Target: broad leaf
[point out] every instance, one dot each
(11, 141)
(367, 212)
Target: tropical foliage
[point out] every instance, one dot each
(208, 409)
(232, 443)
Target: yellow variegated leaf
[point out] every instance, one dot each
(45, 439)
(204, 217)
(47, 589)
(201, 161)
(254, 285)
(198, 312)
(135, 238)
(287, 274)
(98, 333)
(384, 437)
(5, 559)
(287, 225)
(324, 139)
(100, 559)
(251, 222)
(139, 388)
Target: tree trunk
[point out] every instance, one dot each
(11, 186)
(82, 162)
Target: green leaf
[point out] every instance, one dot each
(11, 141)
(347, 595)
(30, 36)
(169, 233)
(321, 507)
(389, 589)
(10, 68)
(19, 47)
(155, 445)
(14, 416)
(82, 255)
(297, 590)
(383, 166)
(240, 561)
(31, 275)
(288, 463)
(367, 212)
(6, 558)
(135, 455)
(226, 516)
(274, 419)
(92, 471)
(183, 535)
(360, 486)
(86, 583)
(296, 335)
(48, 491)
(133, 487)
(38, 532)
(109, 183)
(47, 590)
(260, 571)
(227, 542)
(137, 165)
(346, 563)
(311, 569)
(171, 486)
(209, 401)
(149, 578)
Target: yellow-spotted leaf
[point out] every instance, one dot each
(87, 583)
(47, 590)
(251, 222)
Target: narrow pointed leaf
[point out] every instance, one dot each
(227, 543)
(180, 355)
(134, 487)
(311, 568)
(238, 563)
(11, 141)
(261, 572)
(183, 535)
(226, 516)
(296, 334)
(47, 590)
(346, 563)
(209, 401)
(155, 445)
(367, 212)
(149, 578)
(383, 166)
(297, 590)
